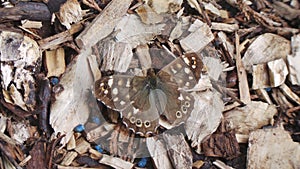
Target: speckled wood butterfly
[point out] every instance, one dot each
(145, 101)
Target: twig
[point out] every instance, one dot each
(241, 72)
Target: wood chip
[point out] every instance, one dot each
(171, 6)
(266, 48)
(82, 146)
(285, 10)
(70, 12)
(221, 165)
(158, 153)
(178, 150)
(68, 159)
(72, 143)
(277, 72)
(134, 32)
(148, 15)
(251, 117)
(272, 74)
(142, 51)
(242, 75)
(198, 164)
(205, 117)
(224, 27)
(288, 92)
(103, 24)
(294, 60)
(20, 131)
(272, 148)
(94, 67)
(55, 62)
(115, 55)
(100, 131)
(31, 24)
(191, 43)
(71, 108)
(115, 162)
(53, 42)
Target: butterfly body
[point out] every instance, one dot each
(145, 100)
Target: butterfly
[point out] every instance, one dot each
(158, 96)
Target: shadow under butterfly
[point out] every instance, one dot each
(145, 102)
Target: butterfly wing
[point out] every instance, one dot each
(182, 73)
(113, 91)
(184, 70)
(129, 96)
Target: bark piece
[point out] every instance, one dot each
(53, 42)
(103, 24)
(266, 48)
(285, 10)
(43, 102)
(35, 11)
(18, 53)
(55, 62)
(221, 145)
(38, 154)
(272, 148)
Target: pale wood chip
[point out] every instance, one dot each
(272, 148)
(158, 153)
(265, 48)
(115, 162)
(103, 24)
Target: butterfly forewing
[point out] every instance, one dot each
(185, 70)
(113, 91)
